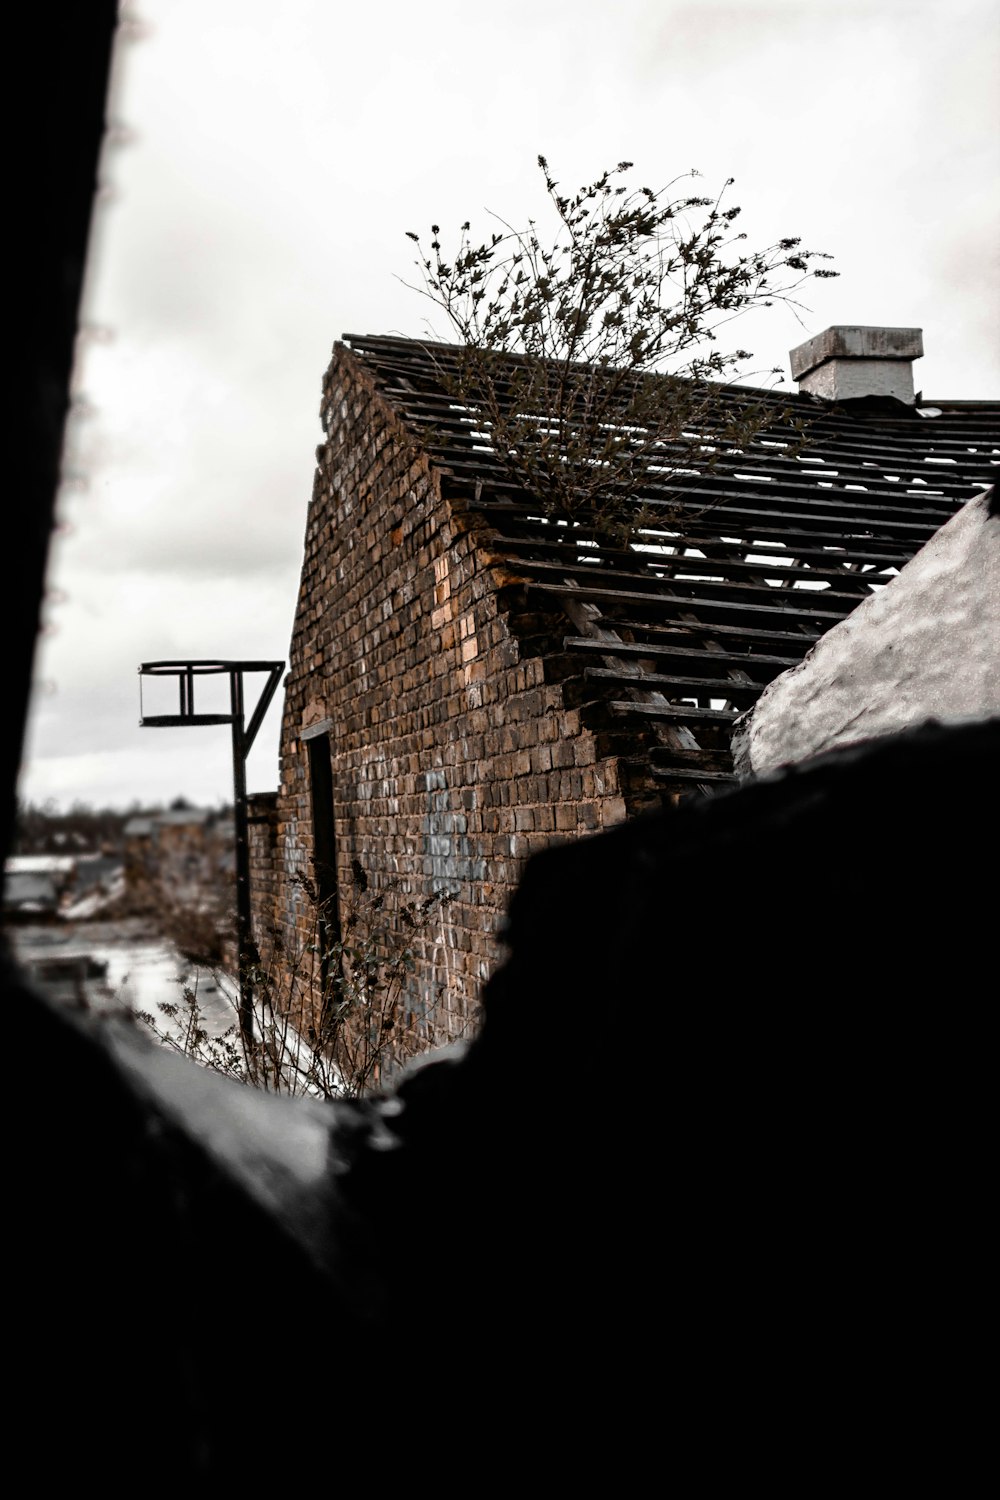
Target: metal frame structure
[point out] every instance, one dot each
(244, 733)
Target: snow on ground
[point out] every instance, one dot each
(94, 901)
(141, 970)
(110, 967)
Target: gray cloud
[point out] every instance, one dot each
(280, 154)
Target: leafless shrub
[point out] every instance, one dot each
(332, 1020)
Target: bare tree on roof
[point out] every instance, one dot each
(591, 360)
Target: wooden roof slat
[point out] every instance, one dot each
(921, 524)
(720, 549)
(746, 693)
(722, 659)
(691, 565)
(681, 711)
(855, 463)
(667, 755)
(762, 530)
(717, 630)
(908, 434)
(669, 602)
(690, 773)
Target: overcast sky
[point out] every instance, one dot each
(265, 163)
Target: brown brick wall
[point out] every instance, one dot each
(263, 843)
(453, 756)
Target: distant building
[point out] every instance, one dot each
(178, 853)
(71, 886)
(36, 884)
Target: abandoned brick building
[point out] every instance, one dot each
(178, 854)
(469, 681)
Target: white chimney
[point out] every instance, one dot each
(843, 363)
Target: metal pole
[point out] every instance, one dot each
(244, 933)
(243, 737)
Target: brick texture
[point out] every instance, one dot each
(454, 752)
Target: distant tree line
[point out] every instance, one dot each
(42, 829)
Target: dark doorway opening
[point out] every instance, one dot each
(324, 856)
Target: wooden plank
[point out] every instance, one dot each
(774, 523)
(716, 561)
(832, 425)
(673, 711)
(734, 588)
(690, 773)
(715, 546)
(657, 630)
(855, 456)
(709, 630)
(824, 507)
(745, 693)
(831, 477)
(836, 474)
(665, 602)
(721, 658)
(665, 756)
(406, 356)
(893, 551)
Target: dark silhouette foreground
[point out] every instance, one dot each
(704, 1200)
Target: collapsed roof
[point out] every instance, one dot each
(750, 556)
